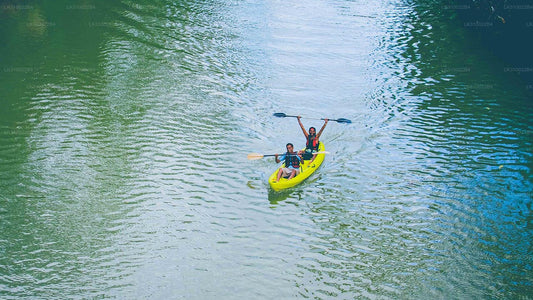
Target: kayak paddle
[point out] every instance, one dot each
(339, 120)
(255, 156)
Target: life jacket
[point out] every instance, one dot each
(291, 159)
(312, 143)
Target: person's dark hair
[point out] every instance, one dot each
(289, 144)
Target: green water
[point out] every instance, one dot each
(124, 130)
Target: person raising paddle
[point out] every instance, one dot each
(312, 142)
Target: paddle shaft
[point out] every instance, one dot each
(255, 156)
(280, 154)
(340, 120)
(320, 152)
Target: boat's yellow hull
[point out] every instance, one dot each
(305, 171)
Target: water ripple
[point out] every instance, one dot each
(123, 168)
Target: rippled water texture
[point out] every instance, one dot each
(124, 129)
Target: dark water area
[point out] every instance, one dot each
(125, 125)
(504, 28)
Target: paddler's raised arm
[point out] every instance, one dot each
(322, 129)
(302, 126)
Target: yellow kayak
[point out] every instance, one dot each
(306, 170)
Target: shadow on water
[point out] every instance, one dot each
(275, 197)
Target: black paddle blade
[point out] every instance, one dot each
(343, 120)
(280, 115)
